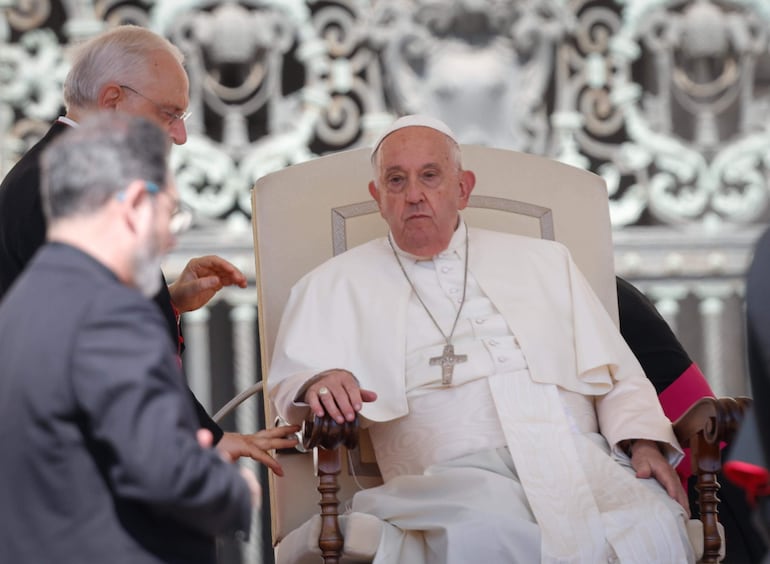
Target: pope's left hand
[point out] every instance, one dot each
(201, 279)
(649, 462)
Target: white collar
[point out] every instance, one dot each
(67, 121)
(456, 244)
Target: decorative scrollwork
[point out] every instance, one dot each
(691, 64)
(28, 14)
(30, 73)
(668, 100)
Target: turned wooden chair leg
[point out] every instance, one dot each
(708, 464)
(330, 540)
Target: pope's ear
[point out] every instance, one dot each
(467, 183)
(374, 192)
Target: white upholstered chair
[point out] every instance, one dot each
(305, 214)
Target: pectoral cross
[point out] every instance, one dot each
(447, 360)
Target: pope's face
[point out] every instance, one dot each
(420, 188)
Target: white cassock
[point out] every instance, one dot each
(507, 464)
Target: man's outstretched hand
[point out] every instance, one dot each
(257, 445)
(206, 440)
(201, 278)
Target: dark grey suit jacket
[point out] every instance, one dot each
(22, 233)
(100, 461)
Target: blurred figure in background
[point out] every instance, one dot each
(749, 464)
(680, 383)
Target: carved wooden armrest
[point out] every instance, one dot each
(703, 428)
(327, 436)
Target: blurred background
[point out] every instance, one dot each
(668, 100)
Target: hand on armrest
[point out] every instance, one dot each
(648, 462)
(336, 392)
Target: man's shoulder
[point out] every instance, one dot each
(27, 167)
(22, 225)
(21, 185)
(55, 295)
(73, 300)
(75, 280)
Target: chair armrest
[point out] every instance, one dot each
(715, 419)
(703, 428)
(324, 432)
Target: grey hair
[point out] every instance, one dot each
(454, 152)
(86, 166)
(117, 55)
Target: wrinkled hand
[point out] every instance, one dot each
(343, 397)
(235, 445)
(649, 462)
(201, 278)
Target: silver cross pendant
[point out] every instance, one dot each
(447, 361)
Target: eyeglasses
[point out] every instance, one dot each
(171, 116)
(181, 216)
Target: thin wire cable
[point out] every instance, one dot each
(237, 400)
(416, 293)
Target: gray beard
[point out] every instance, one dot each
(147, 277)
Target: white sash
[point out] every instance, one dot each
(593, 504)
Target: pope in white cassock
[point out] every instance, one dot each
(510, 420)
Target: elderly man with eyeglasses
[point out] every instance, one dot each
(130, 70)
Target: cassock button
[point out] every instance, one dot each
(480, 321)
(446, 269)
(502, 359)
(493, 343)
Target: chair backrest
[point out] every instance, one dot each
(306, 213)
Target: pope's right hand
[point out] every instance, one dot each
(337, 393)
